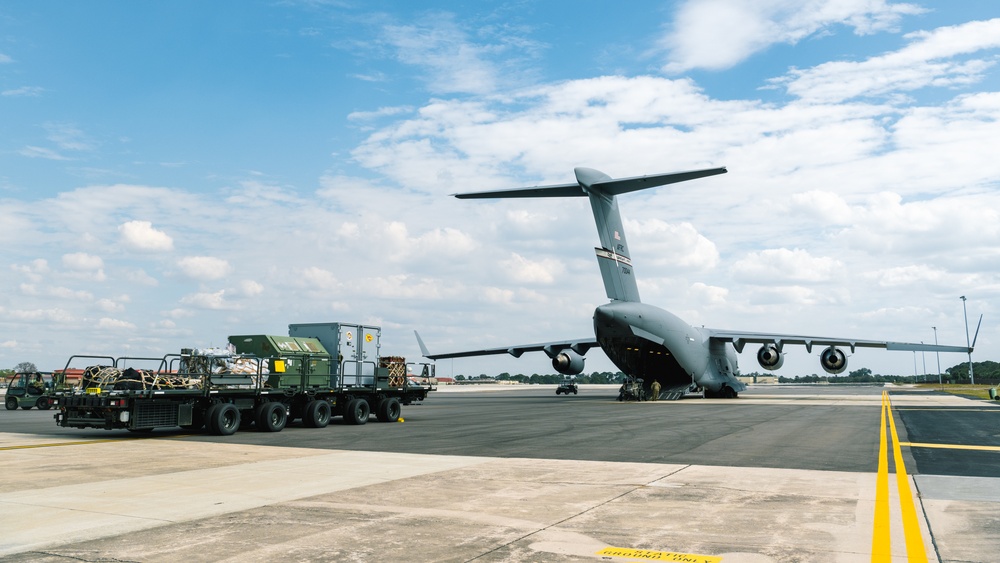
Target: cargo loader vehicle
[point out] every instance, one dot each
(318, 371)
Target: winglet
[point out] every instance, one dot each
(420, 342)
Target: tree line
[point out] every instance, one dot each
(986, 373)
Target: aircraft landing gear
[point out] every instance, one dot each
(726, 392)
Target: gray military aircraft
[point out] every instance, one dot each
(648, 342)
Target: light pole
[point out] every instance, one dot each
(968, 342)
(923, 359)
(938, 354)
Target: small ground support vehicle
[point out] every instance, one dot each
(318, 371)
(632, 390)
(27, 390)
(567, 386)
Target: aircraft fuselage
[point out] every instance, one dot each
(648, 342)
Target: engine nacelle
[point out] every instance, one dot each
(769, 357)
(568, 362)
(833, 360)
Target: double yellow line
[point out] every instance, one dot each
(881, 543)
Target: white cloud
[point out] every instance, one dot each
(780, 266)
(204, 267)
(250, 288)
(141, 236)
(112, 306)
(35, 271)
(519, 269)
(5, 59)
(115, 324)
(31, 151)
(828, 207)
(67, 136)
(678, 246)
(24, 91)
(718, 34)
(139, 276)
(206, 300)
(931, 59)
(451, 61)
(380, 112)
(84, 263)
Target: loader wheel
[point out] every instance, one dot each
(272, 417)
(11, 403)
(317, 414)
(225, 419)
(43, 404)
(357, 411)
(388, 410)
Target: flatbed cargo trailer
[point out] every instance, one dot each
(259, 380)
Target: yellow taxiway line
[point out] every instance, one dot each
(881, 542)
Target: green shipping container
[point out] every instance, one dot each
(294, 361)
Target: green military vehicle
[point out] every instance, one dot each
(27, 390)
(318, 371)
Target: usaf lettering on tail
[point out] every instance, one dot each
(648, 342)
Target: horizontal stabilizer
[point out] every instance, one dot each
(599, 182)
(562, 190)
(626, 185)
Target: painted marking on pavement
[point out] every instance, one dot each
(650, 555)
(951, 446)
(881, 544)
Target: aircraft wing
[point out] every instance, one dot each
(739, 339)
(578, 345)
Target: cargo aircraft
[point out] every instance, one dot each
(647, 342)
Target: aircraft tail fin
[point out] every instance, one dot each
(613, 255)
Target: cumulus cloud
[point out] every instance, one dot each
(679, 246)
(114, 324)
(250, 288)
(84, 265)
(141, 236)
(932, 58)
(207, 300)
(718, 34)
(204, 268)
(781, 266)
(519, 269)
(34, 271)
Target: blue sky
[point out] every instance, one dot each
(171, 173)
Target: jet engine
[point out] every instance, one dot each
(568, 362)
(769, 357)
(833, 360)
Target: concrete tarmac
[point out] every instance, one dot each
(780, 474)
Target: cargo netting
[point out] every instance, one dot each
(109, 377)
